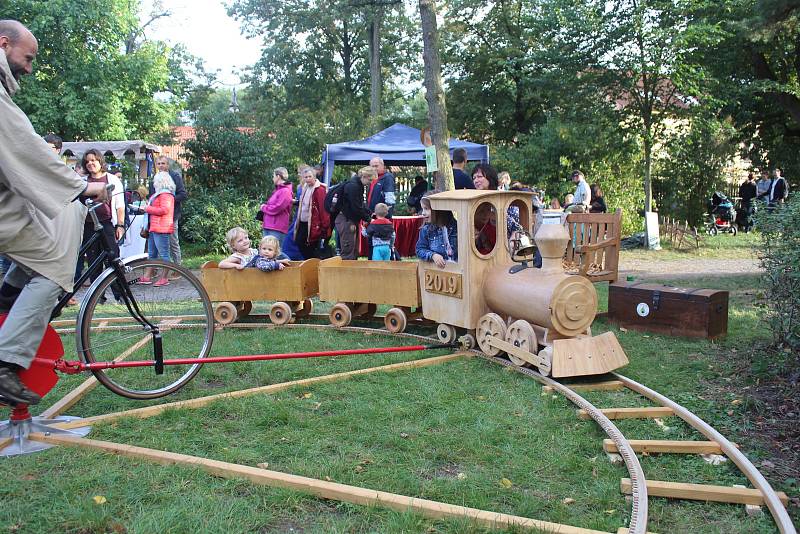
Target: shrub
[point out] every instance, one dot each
(780, 259)
(206, 217)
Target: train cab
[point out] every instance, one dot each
(453, 296)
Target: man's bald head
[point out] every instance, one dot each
(20, 47)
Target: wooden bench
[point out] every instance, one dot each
(593, 249)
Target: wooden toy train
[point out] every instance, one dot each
(489, 298)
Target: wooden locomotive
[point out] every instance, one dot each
(539, 317)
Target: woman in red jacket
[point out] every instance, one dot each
(160, 210)
(313, 222)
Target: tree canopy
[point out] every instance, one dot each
(89, 81)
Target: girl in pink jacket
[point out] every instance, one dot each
(278, 209)
(160, 210)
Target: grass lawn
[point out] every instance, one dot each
(467, 432)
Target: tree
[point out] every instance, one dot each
(496, 65)
(317, 54)
(226, 155)
(437, 108)
(85, 86)
(755, 70)
(634, 53)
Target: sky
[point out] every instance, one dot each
(207, 31)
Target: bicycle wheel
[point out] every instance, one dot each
(179, 312)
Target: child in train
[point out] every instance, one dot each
(438, 240)
(241, 252)
(381, 232)
(485, 228)
(269, 257)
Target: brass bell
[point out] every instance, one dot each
(523, 245)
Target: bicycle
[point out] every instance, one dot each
(140, 319)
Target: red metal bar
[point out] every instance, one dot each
(76, 366)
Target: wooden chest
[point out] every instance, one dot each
(669, 310)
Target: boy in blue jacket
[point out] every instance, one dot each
(381, 232)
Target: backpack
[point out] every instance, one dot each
(333, 204)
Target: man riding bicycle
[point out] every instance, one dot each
(40, 222)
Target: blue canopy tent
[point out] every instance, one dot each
(397, 145)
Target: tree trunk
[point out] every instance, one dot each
(434, 94)
(376, 84)
(648, 165)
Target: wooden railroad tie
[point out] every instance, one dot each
(608, 385)
(667, 446)
(702, 492)
(631, 413)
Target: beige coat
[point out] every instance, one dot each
(40, 225)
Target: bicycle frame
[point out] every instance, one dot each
(110, 257)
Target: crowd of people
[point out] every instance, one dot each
(771, 189)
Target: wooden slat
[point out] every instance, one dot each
(320, 488)
(702, 492)
(151, 411)
(631, 413)
(667, 446)
(5, 442)
(607, 385)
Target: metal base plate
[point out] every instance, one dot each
(18, 432)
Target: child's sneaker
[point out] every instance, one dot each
(161, 283)
(145, 280)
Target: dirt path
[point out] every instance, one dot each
(687, 268)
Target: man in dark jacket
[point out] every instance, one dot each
(352, 211)
(162, 165)
(382, 187)
(460, 178)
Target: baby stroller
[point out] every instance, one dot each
(722, 214)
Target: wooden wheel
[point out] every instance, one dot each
(547, 355)
(304, 309)
(244, 308)
(521, 334)
(280, 313)
(225, 313)
(446, 333)
(395, 320)
(490, 325)
(469, 340)
(340, 315)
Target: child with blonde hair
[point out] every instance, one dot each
(269, 257)
(241, 252)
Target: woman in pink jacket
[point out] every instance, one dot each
(278, 209)
(160, 210)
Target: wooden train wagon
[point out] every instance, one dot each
(234, 291)
(358, 287)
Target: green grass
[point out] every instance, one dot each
(450, 432)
